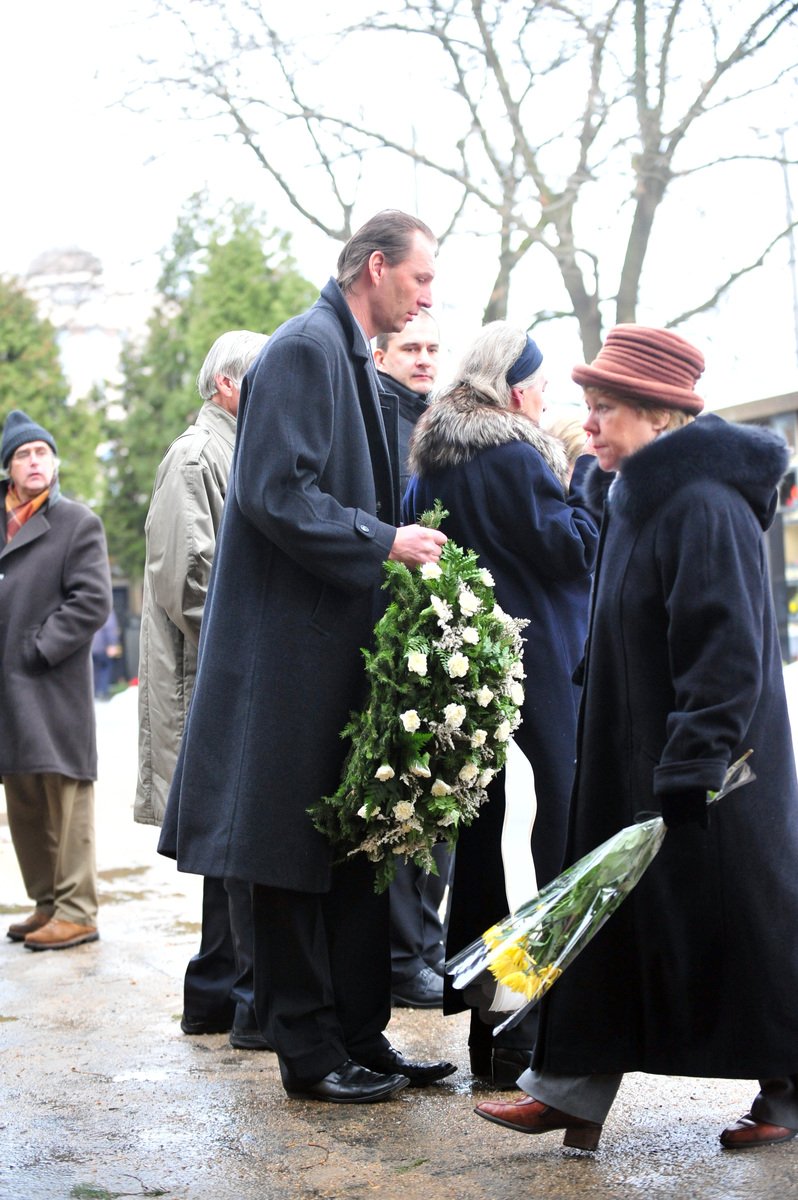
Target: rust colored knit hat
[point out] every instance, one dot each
(646, 364)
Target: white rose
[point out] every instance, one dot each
(363, 812)
(468, 773)
(419, 769)
(469, 603)
(503, 732)
(479, 737)
(457, 666)
(486, 777)
(431, 571)
(516, 693)
(403, 811)
(484, 697)
(486, 577)
(455, 714)
(470, 635)
(417, 662)
(439, 788)
(384, 773)
(410, 720)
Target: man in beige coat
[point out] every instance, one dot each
(181, 529)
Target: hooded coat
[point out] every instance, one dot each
(55, 593)
(697, 972)
(309, 519)
(502, 480)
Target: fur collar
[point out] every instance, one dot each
(746, 457)
(456, 427)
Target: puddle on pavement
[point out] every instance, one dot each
(117, 897)
(186, 926)
(111, 873)
(151, 1075)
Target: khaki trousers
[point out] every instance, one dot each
(51, 819)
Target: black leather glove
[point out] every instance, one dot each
(681, 808)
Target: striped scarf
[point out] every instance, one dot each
(17, 514)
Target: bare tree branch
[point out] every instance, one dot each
(551, 107)
(712, 301)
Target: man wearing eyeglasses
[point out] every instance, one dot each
(55, 592)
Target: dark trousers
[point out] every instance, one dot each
(322, 973)
(418, 933)
(218, 985)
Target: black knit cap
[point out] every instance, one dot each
(19, 429)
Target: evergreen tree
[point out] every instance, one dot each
(32, 379)
(218, 274)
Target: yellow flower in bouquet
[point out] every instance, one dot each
(529, 950)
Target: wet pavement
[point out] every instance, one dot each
(102, 1096)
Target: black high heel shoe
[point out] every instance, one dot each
(499, 1065)
(480, 1061)
(507, 1063)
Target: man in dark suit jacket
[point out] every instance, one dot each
(407, 365)
(310, 517)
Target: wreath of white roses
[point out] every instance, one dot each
(445, 690)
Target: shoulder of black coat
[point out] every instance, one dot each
(748, 458)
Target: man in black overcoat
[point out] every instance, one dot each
(310, 517)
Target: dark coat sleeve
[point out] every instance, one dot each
(86, 590)
(288, 477)
(556, 533)
(712, 582)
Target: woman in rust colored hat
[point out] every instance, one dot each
(696, 974)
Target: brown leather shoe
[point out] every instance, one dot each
(532, 1116)
(60, 935)
(747, 1133)
(20, 930)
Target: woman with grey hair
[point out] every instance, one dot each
(479, 449)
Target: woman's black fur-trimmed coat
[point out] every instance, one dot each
(502, 480)
(697, 972)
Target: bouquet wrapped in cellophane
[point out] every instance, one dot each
(445, 691)
(516, 961)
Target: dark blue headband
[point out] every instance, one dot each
(526, 364)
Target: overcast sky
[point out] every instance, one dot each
(81, 171)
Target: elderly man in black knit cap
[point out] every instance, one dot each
(55, 592)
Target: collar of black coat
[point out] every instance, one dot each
(358, 342)
(411, 404)
(749, 458)
(456, 427)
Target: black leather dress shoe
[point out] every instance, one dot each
(350, 1084)
(424, 990)
(419, 1074)
(197, 1025)
(248, 1039)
